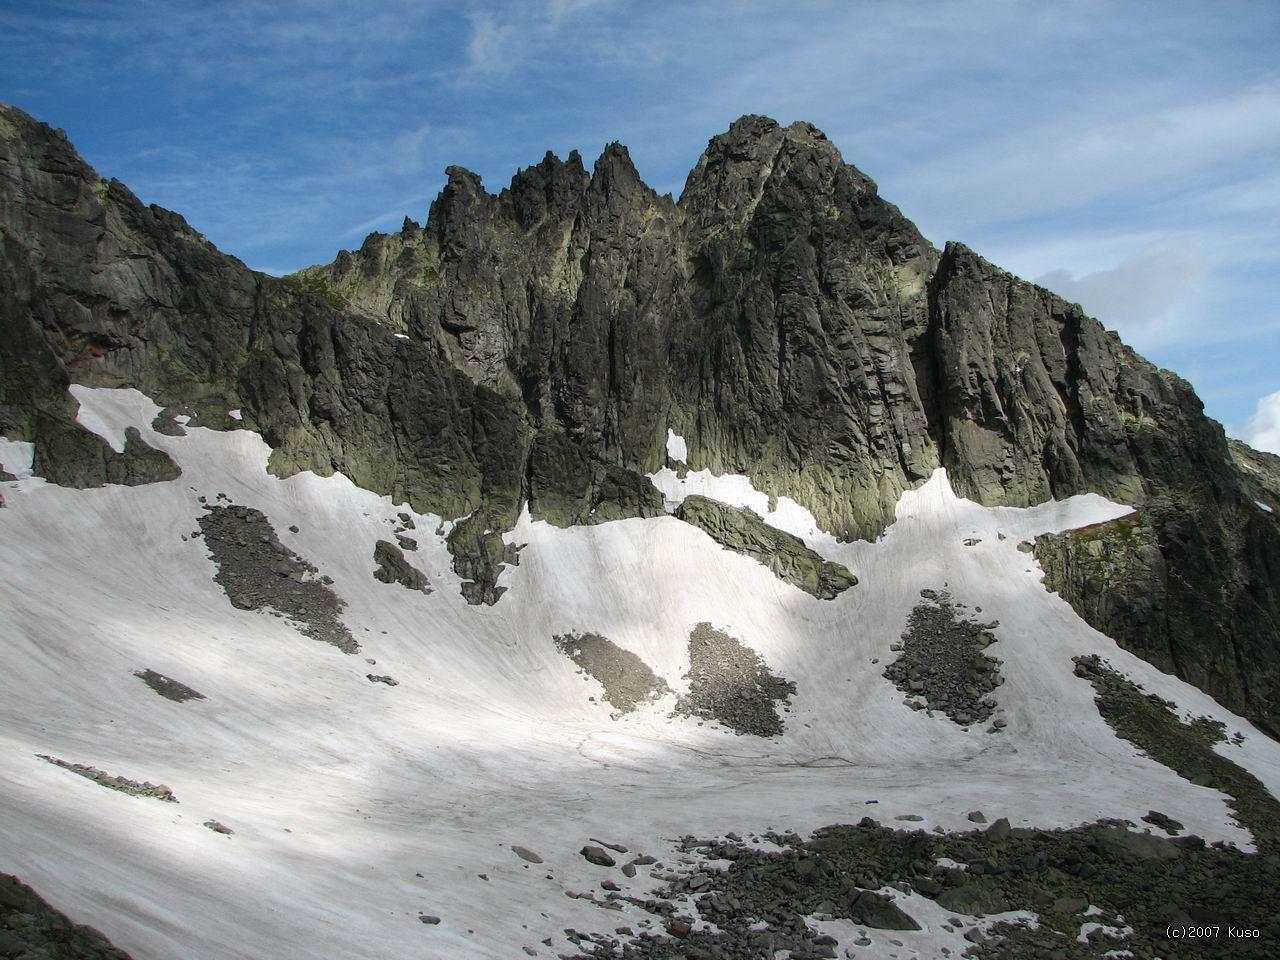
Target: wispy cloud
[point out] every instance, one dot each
(1262, 430)
(488, 44)
(1049, 167)
(394, 215)
(1138, 295)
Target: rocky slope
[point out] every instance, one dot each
(534, 346)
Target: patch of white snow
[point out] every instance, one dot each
(677, 449)
(16, 457)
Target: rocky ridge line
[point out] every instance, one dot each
(533, 346)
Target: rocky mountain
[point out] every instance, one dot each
(534, 347)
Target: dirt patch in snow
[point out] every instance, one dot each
(627, 680)
(941, 665)
(730, 683)
(258, 572)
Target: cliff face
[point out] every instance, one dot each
(534, 347)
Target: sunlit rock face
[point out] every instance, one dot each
(534, 347)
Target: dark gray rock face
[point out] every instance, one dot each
(781, 316)
(785, 554)
(1190, 585)
(392, 567)
(30, 927)
(71, 456)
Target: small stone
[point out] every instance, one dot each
(679, 928)
(524, 853)
(1158, 819)
(999, 830)
(615, 847)
(597, 856)
(428, 919)
(977, 816)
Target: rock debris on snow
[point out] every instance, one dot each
(258, 572)
(627, 680)
(596, 855)
(167, 687)
(156, 791)
(730, 683)
(941, 665)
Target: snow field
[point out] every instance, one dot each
(340, 790)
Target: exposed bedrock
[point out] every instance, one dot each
(30, 927)
(533, 346)
(392, 567)
(742, 531)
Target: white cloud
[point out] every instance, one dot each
(1262, 431)
(1140, 293)
(1041, 169)
(487, 48)
(408, 150)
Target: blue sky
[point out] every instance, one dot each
(1125, 154)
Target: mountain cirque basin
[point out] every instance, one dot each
(703, 515)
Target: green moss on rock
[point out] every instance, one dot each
(784, 554)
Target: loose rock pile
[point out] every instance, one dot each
(729, 683)
(941, 664)
(258, 572)
(627, 680)
(156, 791)
(1132, 887)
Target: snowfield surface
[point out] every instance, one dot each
(357, 806)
